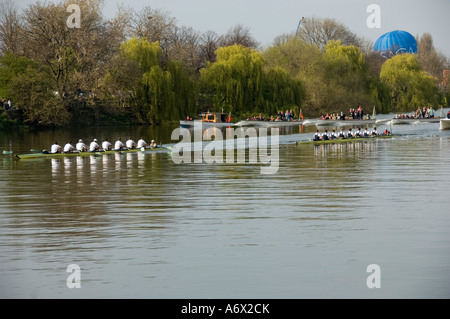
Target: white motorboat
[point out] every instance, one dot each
(445, 124)
(396, 121)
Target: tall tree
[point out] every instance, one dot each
(239, 34)
(156, 92)
(320, 31)
(208, 44)
(432, 61)
(239, 82)
(75, 56)
(235, 79)
(10, 25)
(410, 86)
(29, 85)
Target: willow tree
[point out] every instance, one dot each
(234, 82)
(240, 81)
(409, 85)
(282, 92)
(154, 92)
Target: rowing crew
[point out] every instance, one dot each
(350, 134)
(106, 146)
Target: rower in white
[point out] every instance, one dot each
(350, 133)
(94, 146)
(106, 145)
(130, 143)
(56, 148)
(118, 145)
(68, 148)
(81, 146)
(142, 143)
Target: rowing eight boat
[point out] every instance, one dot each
(99, 153)
(344, 140)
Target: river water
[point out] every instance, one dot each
(141, 226)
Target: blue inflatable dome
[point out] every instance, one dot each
(395, 42)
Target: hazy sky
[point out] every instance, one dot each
(268, 19)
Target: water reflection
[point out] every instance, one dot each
(86, 169)
(345, 149)
(135, 221)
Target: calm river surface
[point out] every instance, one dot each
(140, 226)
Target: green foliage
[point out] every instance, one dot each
(282, 92)
(156, 93)
(344, 60)
(5, 122)
(334, 79)
(240, 82)
(235, 79)
(347, 77)
(30, 87)
(166, 72)
(144, 53)
(410, 87)
(11, 65)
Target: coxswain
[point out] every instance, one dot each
(153, 144)
(81, 146)
(130, 143)
(118, 145)
(386, 132)
(93, 147)
(106, 145)
(374, 132)
(56, 148)
(142, 143)
(68, 148)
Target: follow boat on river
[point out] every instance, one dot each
(426, 115)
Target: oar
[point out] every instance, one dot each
(7, 152)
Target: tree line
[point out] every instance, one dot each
(142, 67)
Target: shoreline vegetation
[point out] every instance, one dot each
(143, 68)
